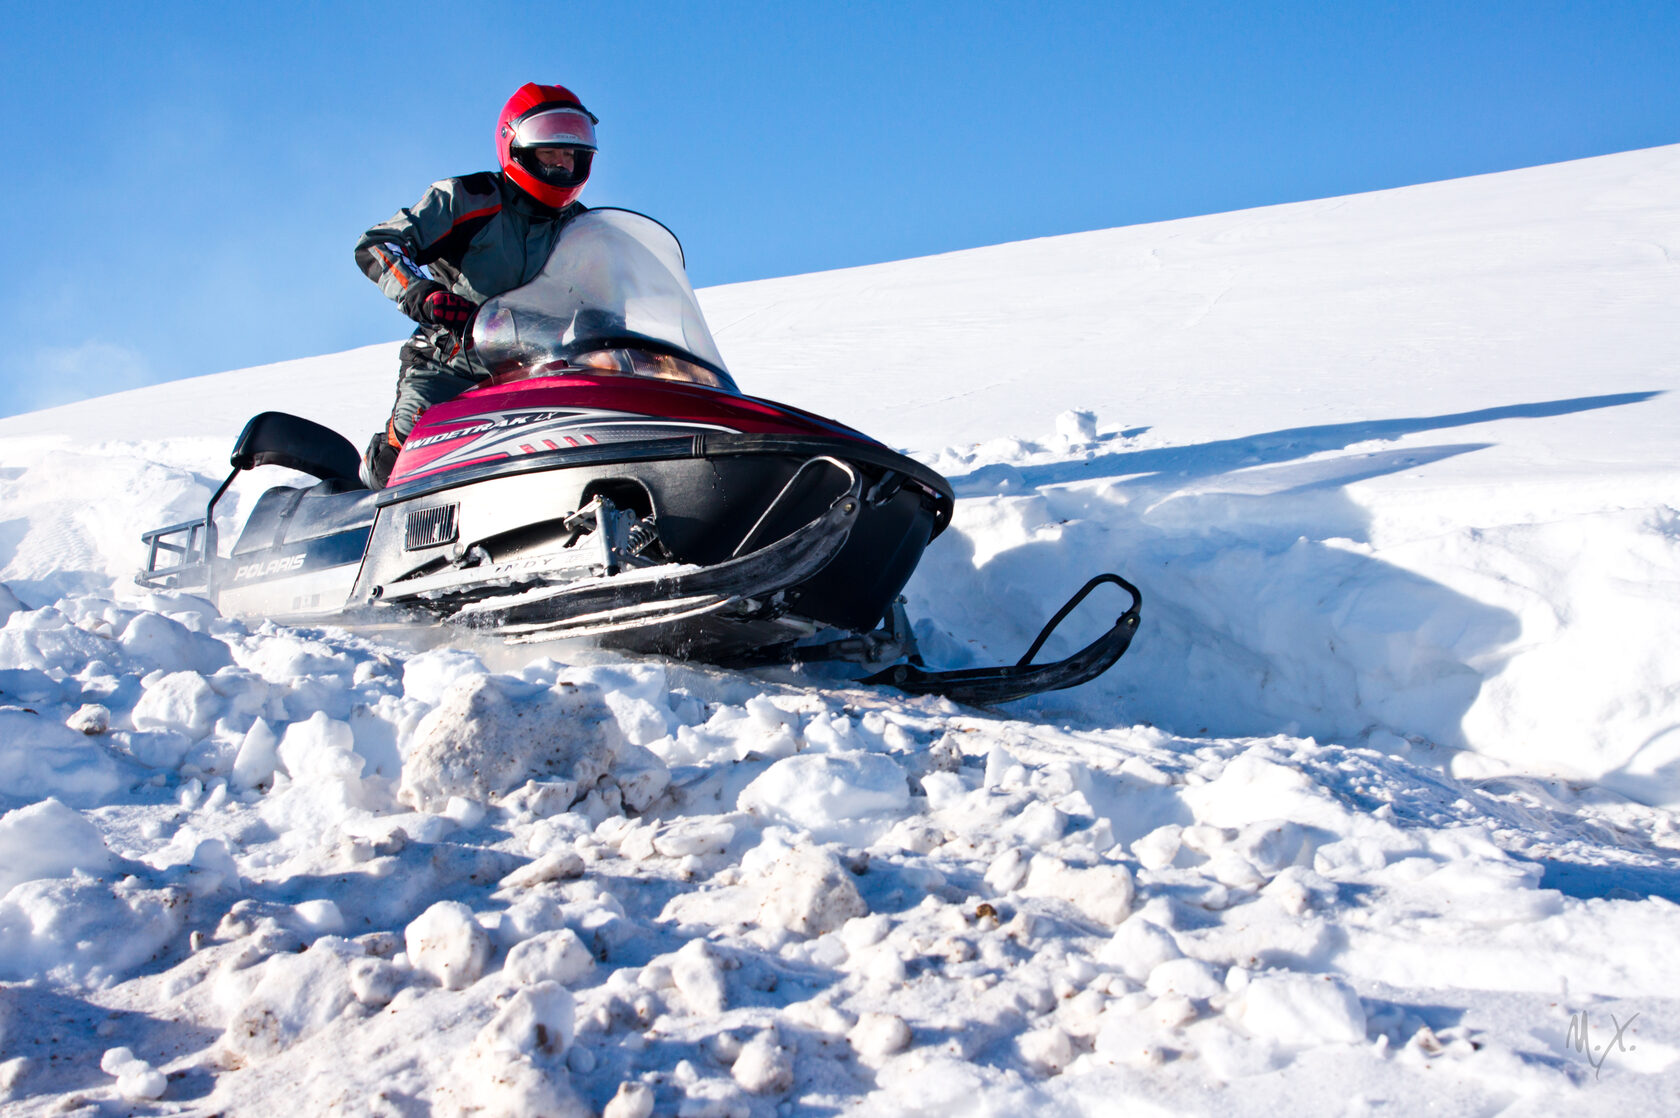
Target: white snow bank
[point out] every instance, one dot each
(1345, 451)
(79, 929)
(852, 795)
(47, 839)
(40, 758)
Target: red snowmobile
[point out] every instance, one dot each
(608, 480)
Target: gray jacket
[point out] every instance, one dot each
(477, 235)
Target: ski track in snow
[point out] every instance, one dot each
(1374, 818)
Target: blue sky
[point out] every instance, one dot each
(188, 179)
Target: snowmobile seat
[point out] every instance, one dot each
(274, 438)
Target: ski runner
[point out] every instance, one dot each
(470, 238)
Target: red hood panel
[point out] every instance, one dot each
(551, 413)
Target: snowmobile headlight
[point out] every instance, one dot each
(646, 363)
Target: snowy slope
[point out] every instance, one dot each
(1359, 822)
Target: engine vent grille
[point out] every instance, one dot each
(430, 527)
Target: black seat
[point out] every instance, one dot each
(275, 438)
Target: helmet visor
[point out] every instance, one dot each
(573, 171)
(562, 126)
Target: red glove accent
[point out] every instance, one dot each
(446, 308)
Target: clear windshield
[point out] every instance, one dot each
(613, 298)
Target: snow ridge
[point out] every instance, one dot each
(1376, 815)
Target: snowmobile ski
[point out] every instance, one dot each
(986, 686)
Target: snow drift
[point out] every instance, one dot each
(1375, 810)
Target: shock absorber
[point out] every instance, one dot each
(643, 535)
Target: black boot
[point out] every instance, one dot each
(377, 461)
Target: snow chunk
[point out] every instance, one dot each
(81, 929)
(319, 917)
(296, 995)
(536, 1021)
(764, 1067)
(1254, 789)
(41, 758)
(181, 702)
(849, 796)
(1048, 1050)
(1301, 1009)
(43, 639)
(878, 1035)
(1104, 893)
(1076, 428)
(448, 944)
(808, 892)
(159, 642)
(48, 839)
(640, 775)
(633, 1100)
(556, 956)
(515, 1067)
(1139, 947)
(258, 756)
(1157, 849)
(1190, 977)
(321, 750)
(9, 603)
(136, 1079)
(286, 658)
(481, 741)
(430, 675)
(699, 978)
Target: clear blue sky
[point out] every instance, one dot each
(187, 180)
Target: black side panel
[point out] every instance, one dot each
(631, 456)
(286, 514)
(263, 526)
(277, 439)
(706, 510)
(327, 508)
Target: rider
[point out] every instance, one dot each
(478, 236)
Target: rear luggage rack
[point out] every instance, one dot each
(270, 438)
(192, 568)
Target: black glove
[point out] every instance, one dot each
(435, 304)
(449, 310)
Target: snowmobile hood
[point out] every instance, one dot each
(606, 348)
(578, 411)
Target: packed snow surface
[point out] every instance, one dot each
(1375, 817)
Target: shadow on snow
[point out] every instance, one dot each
(1265, 611)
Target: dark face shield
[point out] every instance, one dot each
(560, 174)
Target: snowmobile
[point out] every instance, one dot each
(608, 480)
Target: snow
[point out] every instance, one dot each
(1377, 815)
(46, 840)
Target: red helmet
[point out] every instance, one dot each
(546, 117)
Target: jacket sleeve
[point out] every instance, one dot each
(394, 253)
